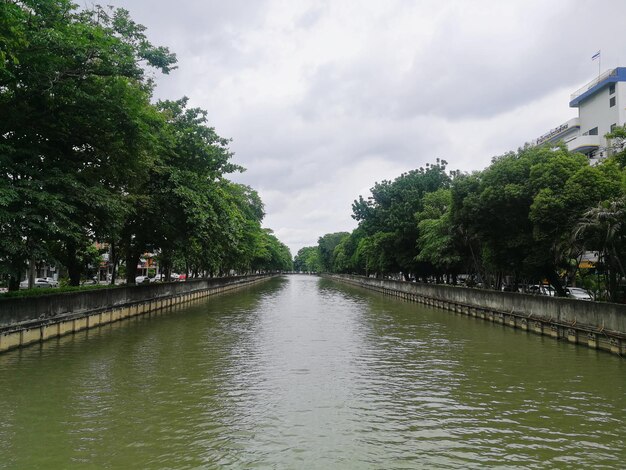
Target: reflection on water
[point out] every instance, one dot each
(302, 372)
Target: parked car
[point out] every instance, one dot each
(51, 281)
(142, 280)
(174, 276)
(40, 282)
(539, 289)
(543, 289)
(578, 293)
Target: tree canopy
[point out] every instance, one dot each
(528, 217)
(86, 156)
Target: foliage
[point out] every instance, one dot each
(435, 240)
(85, 156)
(391, 209)
(307, 260)
(326, 249)
(617, 145)
(605, 229)
(526, 218)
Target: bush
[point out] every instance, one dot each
(60, 290)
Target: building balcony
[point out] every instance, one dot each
(584, 143)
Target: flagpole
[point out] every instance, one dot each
(598, 55)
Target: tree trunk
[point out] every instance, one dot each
(73, 268)
(113, 261)
(613, 294)
(554, 279)
(14, 283)
(31, 273)
(132, 259)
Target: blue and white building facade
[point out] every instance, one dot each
(601, 107)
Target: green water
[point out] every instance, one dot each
(301, 372)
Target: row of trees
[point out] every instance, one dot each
(529, 217)
(86, 156)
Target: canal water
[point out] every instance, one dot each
(302, 372)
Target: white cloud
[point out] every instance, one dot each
(324, 100)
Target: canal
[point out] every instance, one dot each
(302, 372)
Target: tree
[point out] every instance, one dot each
(555, 208)
(271, 254)
(464, 209)
(516, 217)
(375, 253)
(390, 210)
(326, 248)
(181, 204)
(72, 116)
(605, 227)
(307, 260)
(617, 145)
(435, 240)
(241, 227)
(86, 157)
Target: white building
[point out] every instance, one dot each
(601, 107)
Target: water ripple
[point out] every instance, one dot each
(304, 373)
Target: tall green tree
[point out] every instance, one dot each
(517, 215)
(436, 239)
(307, 260)
(73, 107)
(326, 248)
(604, 227)
(179, 206)
(271, 254)
(391, 209)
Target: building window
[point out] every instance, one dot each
(611, 88)
(593, 131)
(612, 102)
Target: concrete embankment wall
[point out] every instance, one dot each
(597, 325)
(27, 320)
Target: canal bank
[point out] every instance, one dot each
(597, 325)
(28, 320)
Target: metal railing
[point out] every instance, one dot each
(592, 83)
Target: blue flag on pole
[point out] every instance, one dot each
(595, 56)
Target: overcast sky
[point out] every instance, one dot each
(324, 98)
